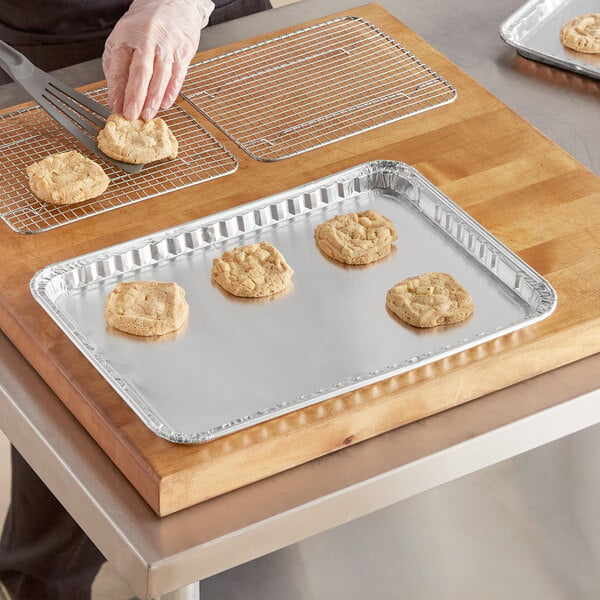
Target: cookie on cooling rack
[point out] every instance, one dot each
(582, 33)
(252, 271)
(146, 308)
(356, 238)
(67, 178)
(430, 300)
(138, 142)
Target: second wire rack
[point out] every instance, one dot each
(313, 86)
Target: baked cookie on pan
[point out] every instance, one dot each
(146, 308)
(430, 300)
(67, 178)
(356, 238)
(582, 33)
(252, 271)
(138, 142)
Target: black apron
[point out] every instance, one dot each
(57, 33)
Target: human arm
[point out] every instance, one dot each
(147, 54)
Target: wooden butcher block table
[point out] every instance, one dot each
(524, 189)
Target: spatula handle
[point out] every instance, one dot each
(14, 63)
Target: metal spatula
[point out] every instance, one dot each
(81, 116)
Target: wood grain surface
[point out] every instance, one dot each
(523, 188)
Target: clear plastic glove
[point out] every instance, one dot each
(148, 52)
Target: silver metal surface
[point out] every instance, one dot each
(238, 362)
(527, 528)
(534, 31)
(81, 116)
(189, 592)
(29, 135)
(312, 87)
(157, 555)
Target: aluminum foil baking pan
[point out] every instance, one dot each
(238, 362)
(534, 31)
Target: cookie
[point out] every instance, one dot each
(356, 238)
(67, 178)
(138, 142)
(430, 300)
(582, 33)
(252, 271)
(146, 308)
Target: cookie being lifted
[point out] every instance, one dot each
(356, 238)
(146, 308)
(430, 300)
(252, 271)
(582, 33)
(67, 178)
(138, 142)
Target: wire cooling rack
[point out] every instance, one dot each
(30, 134)
(312, 87)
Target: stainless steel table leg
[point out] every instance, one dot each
(189, 592)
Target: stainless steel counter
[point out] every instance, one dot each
(159, 555)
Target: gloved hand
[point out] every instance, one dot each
(147, 54)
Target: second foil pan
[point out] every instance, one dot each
(238, 362)
(534, 31)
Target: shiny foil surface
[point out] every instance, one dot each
(238, 362)
(534, 31)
